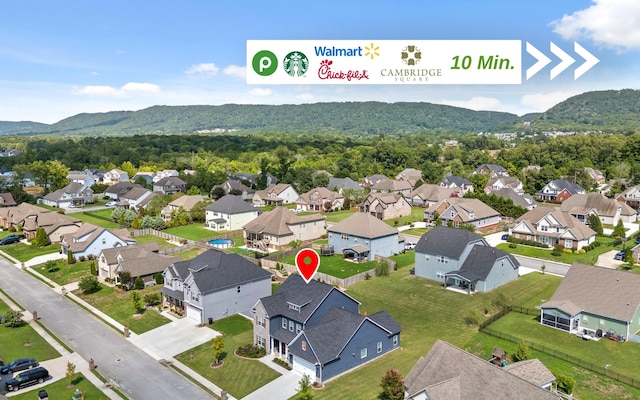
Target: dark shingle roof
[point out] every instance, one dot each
(231, 204)
(343, 183)
(387, 322)
(215, 270)
(480, 261)
(445, 241)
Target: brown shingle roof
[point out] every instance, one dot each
(363, 225)
(277, 222)
(583, 203)
(532, 371)
(433, 193)
(569, 222)
(391, 185)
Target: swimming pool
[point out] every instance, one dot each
(221, 243)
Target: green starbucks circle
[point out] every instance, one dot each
(264, 63)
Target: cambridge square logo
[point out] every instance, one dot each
(295, 63)
(411, 55)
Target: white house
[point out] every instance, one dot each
(229, 213)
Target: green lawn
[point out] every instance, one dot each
(58, 390)
(426, 312)
(192, 232)
(188, 254)
(417, 214)
(23, 342)
(25, 252)
(337, 266)
(237, 376)
(337, 216)
(162, 243)
(587, 258)
(404, 260)
(416, 231)
(62, 273)
(87, 217)
(116, 303)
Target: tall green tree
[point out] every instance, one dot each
(392, 386)
(595, 224)
(217, 347)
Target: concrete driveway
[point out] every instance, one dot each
(606, 260)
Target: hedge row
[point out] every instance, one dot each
(533, 243)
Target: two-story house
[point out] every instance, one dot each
(82, 177)
(215, 285)
(501, 182)
(74, 194)
(456, 182)
(429, 194)
(361, 237)
(609, 211)
(392, 186)
(276, 229)
(294, 324)
(461, 210)
(229, 213)
(187, 202)
(236, 187)
(320, 200)
(91, 240)
(631, 196)
(559, 190)
(492, 170)
(170, 185)
(115, 176)
(279, 194)
(386, 205)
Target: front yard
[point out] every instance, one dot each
(586, 258)
(237, 376)
(62, 273)
(25, 252)
(116, 303)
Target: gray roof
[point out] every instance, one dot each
(562, 184)
(231, 204)
(520, 199)
(492, 167)
(343, 183)
(216, 270)
(170, 180)
(597, 290)
(363, 225)
(457, 180)
(295, 291)
(445, 241)
(480, 261)
(448, 372)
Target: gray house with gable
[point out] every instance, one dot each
(362, 236)
(463, 260)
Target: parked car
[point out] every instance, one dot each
(26, 378)
(9, 240)
(409, 246)
(111, 204)
(19, 365)
(619, 255)
(505, 236)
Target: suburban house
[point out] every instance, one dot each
(276, 229)
(492, 170)
(340, 184)
(448, 372)
(521, 199)
(386, 205)
(187, 202)
(236, 187)
(215, 285)
(165, 173)
(140, 262)
(229, 213)
(279, 194)
(362, 237)
(147, 176)
(596, 175)
(55, 225)
(392, 186)
(84, 178)
(463, 260)
(460, 210)
(320, 200)
(74, 194)
(115, 176)
(502, 182)
(14, 215)
(170, 185)
(138, 197)
(118, 189)
(559, 190)
(109, 258)
(551, 226)
(410, 175)
(318, 330)
(6, 200)
(456, 182)
(252, 179)
(609, 211)
(631, 196)
(596, 301)
(429, 194)
(91, 240)
(372, 180)
(315, 174)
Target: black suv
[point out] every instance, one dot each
(19, 365)
(26, 378)
(9, 240)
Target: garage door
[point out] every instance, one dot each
(303, 367)
(194, 313)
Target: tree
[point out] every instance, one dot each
(217, 345)
(89, 284)
(151, 298)
(136, 302)
(12, 319)
(41, 239)
(124, 277)
(595, 224)
(70, 373)
(193, 190)
(522, 352)
(619, 231)
(70, 258)
(392, 386)
(138, 283)
(198, 212)
(92, 268)
(217, 192)
(159, 278)
(304, 390)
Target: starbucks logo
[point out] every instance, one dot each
(411, 55)
(295, 63)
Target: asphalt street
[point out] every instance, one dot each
(138, 375)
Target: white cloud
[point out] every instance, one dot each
(476, 103)
(260, 92)
(208, 69)
(305, 97)
(544, 101)
(109, 91)
(609, 23)
(236, 70)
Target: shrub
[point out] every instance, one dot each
(522, 352)
(525, 242)
(382, 268)
(89, 284)
(251, 351)
(159, 278)
(472, 318)
(92, 268)
(557, 250)
(82, 258)
(138, 284)
(565, 383)
(367, 276)
(12, 319)
(152, 299)
(70, 258)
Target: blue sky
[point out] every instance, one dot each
(58, 59)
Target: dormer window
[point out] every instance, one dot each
(294, 307)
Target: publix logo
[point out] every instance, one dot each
(265, 63)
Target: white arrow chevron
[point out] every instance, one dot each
(541, 63)
(566, 60)
(590, 60)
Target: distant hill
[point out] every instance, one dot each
(609, 110)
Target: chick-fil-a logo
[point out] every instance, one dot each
(325, 72)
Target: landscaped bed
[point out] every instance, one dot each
(238, 376)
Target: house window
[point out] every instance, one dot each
(291, 325)
(303, 345)
(345, 236)
(442, 259)
(568, 243)
(284, 323)
(363, 353)
(104, 240)
(426, 257)
(238, 289)
(298, 328)
(439, 274)
(261, 341)
(379, 347)
(544, 228)
(261, 320)
(395, 340)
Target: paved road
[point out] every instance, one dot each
(140, 376)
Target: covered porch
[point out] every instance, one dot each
(356, 253)
(459, 283)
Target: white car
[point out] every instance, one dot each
(409, 246)
(111, 204)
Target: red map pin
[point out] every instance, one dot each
(307, 262)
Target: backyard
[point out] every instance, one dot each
(237, 376)
(417, 214)
(192, 232)
(99, 218)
